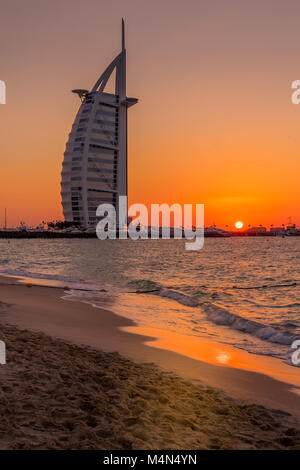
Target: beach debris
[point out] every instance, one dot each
(67, 288)
(103, 290)
(28, 284)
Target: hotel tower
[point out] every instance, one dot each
(95, 160)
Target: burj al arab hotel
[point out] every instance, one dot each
(95, 160)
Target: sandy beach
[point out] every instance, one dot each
(78, 377)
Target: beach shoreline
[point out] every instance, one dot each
(42, 309)
(55, 395)
(76, 378)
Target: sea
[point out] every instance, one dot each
(242, 291)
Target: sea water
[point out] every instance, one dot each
(241, 291)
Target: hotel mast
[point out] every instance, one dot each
(95, 160)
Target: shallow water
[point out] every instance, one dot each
(241, 291)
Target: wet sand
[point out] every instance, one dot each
(58, 393)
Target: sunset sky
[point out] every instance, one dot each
(215, 123)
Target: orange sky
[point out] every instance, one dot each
(214, 124)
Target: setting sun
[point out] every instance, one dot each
(239, 224)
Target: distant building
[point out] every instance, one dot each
(95, 160)
(256, 230)
(276, 230)
(291, 229)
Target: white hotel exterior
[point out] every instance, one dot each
(95, 160)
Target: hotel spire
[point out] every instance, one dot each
(123, 34)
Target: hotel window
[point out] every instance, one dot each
(105, 123)
(99, 193)
(108, 136)
(101, 185)
(107, 115)
(98, 200)
(109, 98)
(104, 151)
(109, 171)
(109, 141)
(107, 111)
(108, 133)
(101, 163)
(101, 180)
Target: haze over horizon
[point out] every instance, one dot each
(214, 124)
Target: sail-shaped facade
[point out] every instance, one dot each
(95, 160)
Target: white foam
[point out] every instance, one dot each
(221, 316)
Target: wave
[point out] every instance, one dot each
(143, 286)
(60, 281)
(220, 316)
(257, 304)
(179, 297)
(213, 312)
(146, 286)
(265, 286)
(295, 304)
(290, 324)
(20, 273)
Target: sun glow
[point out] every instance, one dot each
(239, 224)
